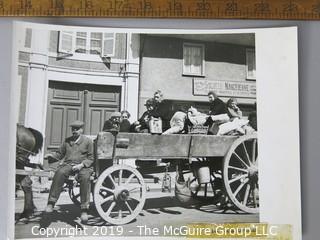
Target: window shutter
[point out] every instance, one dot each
(251, 64)
(66, 42)
(108, 45)
(28, 37)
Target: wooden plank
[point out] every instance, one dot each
(38, 173)
(135, 145)
(210, 146)
(104, 145)
(143, 145)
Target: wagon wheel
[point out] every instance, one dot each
(119, 194)
(240, 173)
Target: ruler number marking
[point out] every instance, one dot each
(279, 9)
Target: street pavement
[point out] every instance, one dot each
(161, 210)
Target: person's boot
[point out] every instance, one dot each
(49, 208)
(84, 216)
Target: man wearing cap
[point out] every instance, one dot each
(142, 125)
(76, 155)
(162, 109)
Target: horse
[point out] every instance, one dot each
(29, 143)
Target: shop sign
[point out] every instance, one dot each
(201, 87)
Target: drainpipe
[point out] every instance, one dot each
(125, 74)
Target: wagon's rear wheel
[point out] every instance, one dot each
(240, 173)
(119, 194)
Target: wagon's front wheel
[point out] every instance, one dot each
(240, 173)
(119, 194)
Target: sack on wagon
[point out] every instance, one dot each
(181, 121)
(235, 125)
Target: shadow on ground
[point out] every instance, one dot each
(70, 213)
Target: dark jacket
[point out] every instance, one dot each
(109, 126)
(163, 110)
(77, 152)
(144, 120)
(125, 126)
(218, 107)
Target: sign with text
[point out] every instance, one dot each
(201, 87)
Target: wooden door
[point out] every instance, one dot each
(99, 103)
(68, 102)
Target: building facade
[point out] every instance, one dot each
(81, 73)
(88, 73)
(186, 67)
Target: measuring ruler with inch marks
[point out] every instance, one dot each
(207, 9)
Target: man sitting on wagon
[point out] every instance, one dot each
(76, 155)
(162, 110)
(142, 125)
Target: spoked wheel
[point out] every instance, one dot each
(119, 194)
(240, 174)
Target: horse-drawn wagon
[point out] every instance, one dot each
(227, 164)
(120, 190)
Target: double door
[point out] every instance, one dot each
(68, 102)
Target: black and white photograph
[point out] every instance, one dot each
(125, 132)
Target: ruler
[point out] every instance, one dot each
(205, 9)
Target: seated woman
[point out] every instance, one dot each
(233, 109)
(236, 123)
(125, 124)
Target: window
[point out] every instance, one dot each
(251, 63)
(193, 59)
(97, 43)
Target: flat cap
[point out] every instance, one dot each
(77, 123)
(115, 114)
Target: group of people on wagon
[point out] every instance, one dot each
(222, 118)
(75, 155)
(156, 108)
